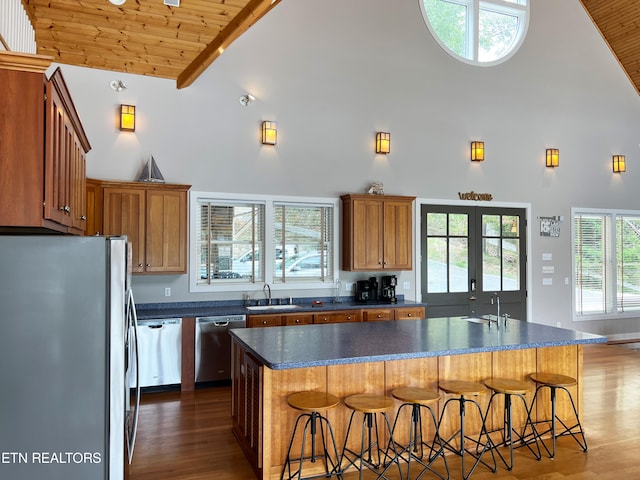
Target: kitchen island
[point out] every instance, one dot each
(344, 359)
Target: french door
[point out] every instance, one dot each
(470, 254)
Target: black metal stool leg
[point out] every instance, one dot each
(462, 451)
(566, 429)
(311, 421)
(415, 449)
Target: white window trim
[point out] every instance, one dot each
(523, 12)
(268, 201)
(614, 314)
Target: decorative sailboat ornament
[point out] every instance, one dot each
(150, 172)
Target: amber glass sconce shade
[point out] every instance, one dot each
(128, 118)
(553, 157)
(383, 142)
(477, 151)
(269, 133)
(619, 164)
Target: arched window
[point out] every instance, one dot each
(478, 32)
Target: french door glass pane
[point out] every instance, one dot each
(510, 264)
(491, 253)
(459, 264)
(510, 226)
(447, 252)
(437, 265)
(458, 225)
(436, 224)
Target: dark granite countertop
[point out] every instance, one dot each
(237, 307)
(281, 348)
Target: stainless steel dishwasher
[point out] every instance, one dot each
(213, 346)
(160, 351)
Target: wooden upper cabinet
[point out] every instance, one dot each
(124, 214)
(42, 149)
(153, 216)
(166, 236)
(66, 146)
(377, 232)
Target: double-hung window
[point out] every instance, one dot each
(230, 241)
(304, 235)
(606, 263)
(240, 242)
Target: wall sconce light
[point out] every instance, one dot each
(477, 151)
(383, 142)
(128, 118)
(269, 133)
(619, 164)
(553, 157)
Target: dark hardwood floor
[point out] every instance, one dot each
(187, 436)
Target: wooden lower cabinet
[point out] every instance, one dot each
(336, 316)
(377, 314)
(269, 320)
(247, 405)
(297, 319)
(409, 313)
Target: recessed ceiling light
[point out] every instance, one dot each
(118, 2)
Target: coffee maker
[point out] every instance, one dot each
(363, 291)
(367, 290)
(389, 283)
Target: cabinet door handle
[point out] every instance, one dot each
(379, 316)
(348, 317)
(83, 217)
(409, 315)
(264, 322)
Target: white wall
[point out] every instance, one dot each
(333, 74)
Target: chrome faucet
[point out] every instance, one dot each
(268, 288)
(497, 301)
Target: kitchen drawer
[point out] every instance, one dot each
(410, 313)
(264, 321)
(340, 316)
(297, 319)
(378, 314)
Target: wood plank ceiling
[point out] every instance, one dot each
(144, 37)
(147, 37)
(619, 24)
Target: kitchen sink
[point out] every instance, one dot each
(484, 321)
(273, 307)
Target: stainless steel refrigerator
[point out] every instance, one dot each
(66, 326)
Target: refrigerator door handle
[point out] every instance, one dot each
(131, 307)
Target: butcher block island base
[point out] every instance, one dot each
(345, 359)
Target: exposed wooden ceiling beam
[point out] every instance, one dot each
(249, 15)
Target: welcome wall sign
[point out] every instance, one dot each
(475, 197)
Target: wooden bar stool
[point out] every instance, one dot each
(418, 450)
(312, 403)
(464, 389)
(509, 387)
(554, 382)
(371, 454)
